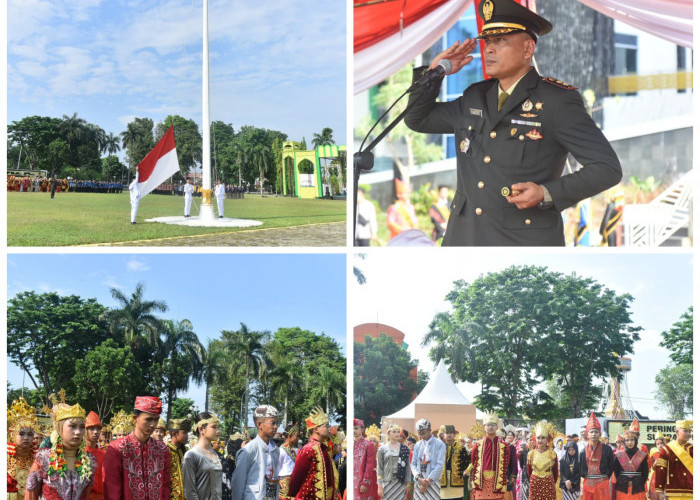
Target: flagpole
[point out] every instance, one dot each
(207, 210)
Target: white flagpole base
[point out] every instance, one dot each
(206, 212)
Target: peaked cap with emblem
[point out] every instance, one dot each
(503, 17)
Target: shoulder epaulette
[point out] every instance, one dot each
(558, 83)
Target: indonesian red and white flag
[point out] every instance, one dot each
(158, 165)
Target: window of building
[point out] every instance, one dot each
(626, 47)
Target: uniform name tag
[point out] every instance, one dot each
(476, 112)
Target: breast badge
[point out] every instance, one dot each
(527, 106)
(464, 146)
(534, 134)
(528, 115)
(538, 106)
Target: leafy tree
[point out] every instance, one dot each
(138, 140)
(674, 386)
(248, 145)
(112, 168)
(223, 154)
(188, 141)
(35, 397)
(423, 378)
(302, 144)
(182, 355)
(182, 408)
(328, 384)
(679, 339)
(73, 128)
(513, 329)
(382, 381)
(284, 375)
(215, 362)
(34, 134)
(106, 379)
(47, 332)
(57, 154)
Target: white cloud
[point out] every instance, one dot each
(136, 265)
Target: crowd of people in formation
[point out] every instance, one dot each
(138, 456)
(488, 463)
(180, 189)
(44, 185)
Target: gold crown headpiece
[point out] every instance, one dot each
(21, 415)
(684, 424)
(75, 411)
(211, 420)
(373, 432)
(476, 431)
(490, 418)
(238, 435)
(544, 429)
(122, 422)
(316, 417)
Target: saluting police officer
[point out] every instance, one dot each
(512, 136)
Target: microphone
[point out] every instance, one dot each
(444, 66)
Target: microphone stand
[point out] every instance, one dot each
(363, 160)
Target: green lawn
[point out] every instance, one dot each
(34, 219)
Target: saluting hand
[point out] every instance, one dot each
(457, 54)
(528, 195)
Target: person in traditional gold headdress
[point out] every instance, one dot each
(288, 456)
(64, 471)
(673, 470)
(490, 460)
(314, 476)
(161, 430)
(179, 431)
(542, 465)
(456, 463)
(122, 424)
(22, 425)
(401, 216)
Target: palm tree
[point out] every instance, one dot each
(330, 384)
(282, 378)
(248, 345)
(73, 128)
(325, 138)
(260, 157)
(183, 358)
(241, 154)
(112, 144)
(215, 362)
(98, 135)
(135, 318)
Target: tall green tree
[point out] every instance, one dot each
(674, 390)
(135, 318)
(248, 346)
(182, 408)
(107, 378)
(188, 142)
(382, 378)
(182, 358)
(542, 325)
(47, 332)
(325, 138)
(138, 140)
(111, 146)
(215, 362)
(679, 339)
(328, 384)
(34, 134)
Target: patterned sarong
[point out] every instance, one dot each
(432, 493)
(395, 490)
(486, 492)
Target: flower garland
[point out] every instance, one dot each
(57, 462)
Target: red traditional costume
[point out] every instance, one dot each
(490, 461)
(401, 216)
(634, 427)
(596, 466)
(314, 476)
(20, 415)
(93, 420)
(654, 454)
(134, 470)
(364, 467)
(673, 469)
(631, 469)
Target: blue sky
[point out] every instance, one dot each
(214, 291)
(661, 284)
(278, 65)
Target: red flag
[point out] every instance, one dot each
(158, 165)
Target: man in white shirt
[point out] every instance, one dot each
(427, 463)
(366, 228)
(189, 189)
(134, 197)
(220, 193)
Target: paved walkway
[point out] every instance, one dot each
(312, 235)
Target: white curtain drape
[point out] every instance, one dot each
(671, 20)
(381, 60)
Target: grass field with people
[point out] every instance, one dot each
(34, 219)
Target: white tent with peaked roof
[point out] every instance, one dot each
(440, 401)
